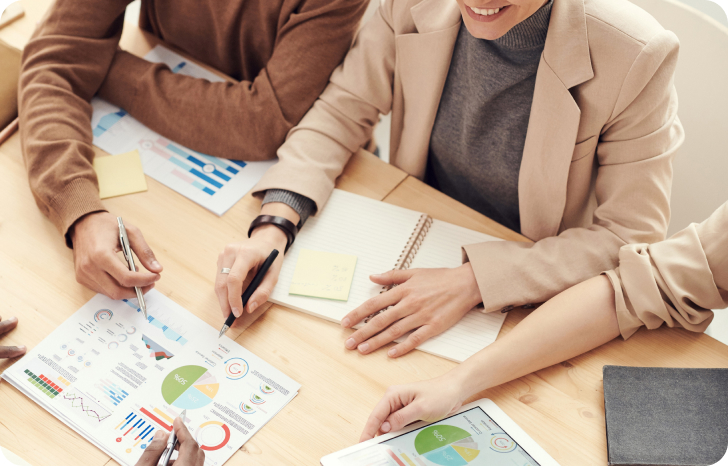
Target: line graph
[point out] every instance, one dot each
(79, 400)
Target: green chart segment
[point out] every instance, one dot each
(189, 387)
(446, 445)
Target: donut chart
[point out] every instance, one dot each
(189, 387)
(236, 368)
(212, 435)
(446, 445)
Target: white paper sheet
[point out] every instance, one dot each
(116, 378)
(214, 183)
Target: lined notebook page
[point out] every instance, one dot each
(373, 231)
(442, 248)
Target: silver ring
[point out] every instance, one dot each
(225, 270)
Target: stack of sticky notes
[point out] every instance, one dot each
(321, 274)
(120, 174)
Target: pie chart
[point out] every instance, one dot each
(189, 387)
(446, 445)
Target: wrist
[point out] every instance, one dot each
(271, 234)
(470, 285)
(460, 380)
(81, 223)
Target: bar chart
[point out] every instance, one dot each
(114, 393)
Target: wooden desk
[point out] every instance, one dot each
(561, 407)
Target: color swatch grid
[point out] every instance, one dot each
(44, 384)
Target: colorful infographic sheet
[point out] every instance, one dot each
(214, 183)
(470, 438)
(117, 378)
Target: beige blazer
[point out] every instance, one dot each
(676, 282)
(596, 169)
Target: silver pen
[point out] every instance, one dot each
(171, 443)
(126, 249)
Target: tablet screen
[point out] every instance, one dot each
(470, 438)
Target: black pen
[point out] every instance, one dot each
(250, 289)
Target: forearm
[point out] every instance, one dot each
(573, 322)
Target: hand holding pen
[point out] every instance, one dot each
(189, 454)
(95, 239)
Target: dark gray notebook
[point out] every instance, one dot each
(658, 416)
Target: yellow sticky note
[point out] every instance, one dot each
(323, 275)
(120, 174)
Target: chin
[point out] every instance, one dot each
(487, 31)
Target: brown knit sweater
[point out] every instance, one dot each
(281, 51)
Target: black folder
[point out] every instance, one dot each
(665, 417)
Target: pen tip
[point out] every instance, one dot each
(222, 331)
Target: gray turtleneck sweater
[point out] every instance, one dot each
(480, 129)
(477, 141)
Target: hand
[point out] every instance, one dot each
(243, 260)
(429, 400)
(189, 454)
(7, 352)
(95, 244)
(428, 300)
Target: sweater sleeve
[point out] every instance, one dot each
(253, 115)
(63, 66)
(676, 282)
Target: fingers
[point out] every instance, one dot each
(8, 325)
(190, 453)
(221, 283)
(417, 337)
(7, 352)
(380, 322)
(151, 454)
(111, 288)
(375, 304)
(393, 277)
(244, 264)
(400, 418)
(142, 250)
(121, 273)
(265, 289)
(389, 403)
(393, 332)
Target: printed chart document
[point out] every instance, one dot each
(214, 183)
(117, 378)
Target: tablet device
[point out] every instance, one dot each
(479, 434)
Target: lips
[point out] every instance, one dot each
(486, 14)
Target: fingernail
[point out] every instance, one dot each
(376, 275)
(385, 427)
(364, 347)
(13, 319)
(346, 322)
(158, 434)
(392, 352)
(156, 265)
(237, 312)
(21, 348)
(350, 343)
(252, 306)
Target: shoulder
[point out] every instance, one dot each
(615, 23)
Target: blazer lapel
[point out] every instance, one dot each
(554, 121)
(423, 61)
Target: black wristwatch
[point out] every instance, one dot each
(285, 225)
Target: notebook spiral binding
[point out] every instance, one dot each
(408, 253)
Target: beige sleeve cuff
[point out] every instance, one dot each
(668, 282)
(76, 199)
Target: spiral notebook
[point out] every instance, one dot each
(386, 237)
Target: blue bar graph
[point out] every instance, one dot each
(112, 391)
(107, 121)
